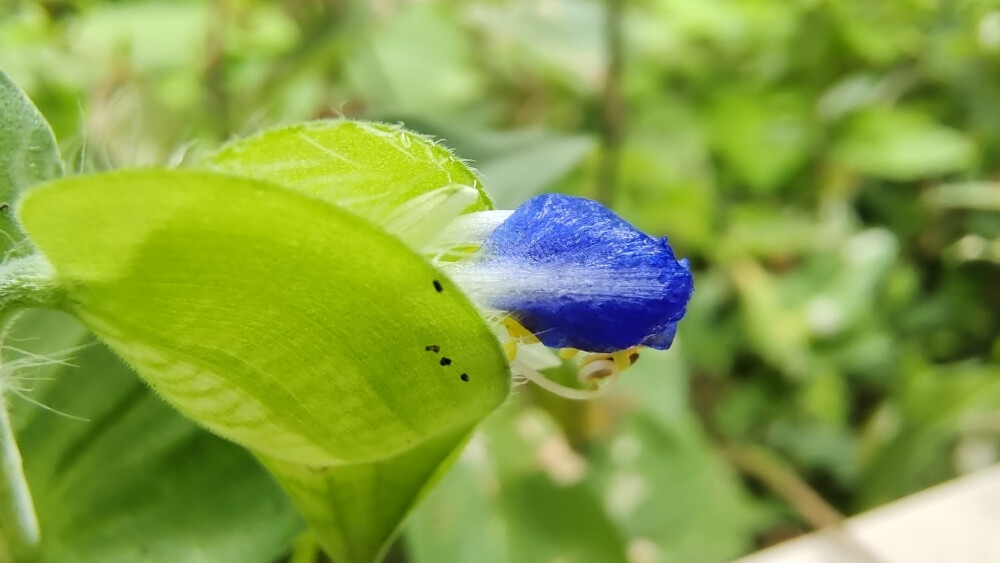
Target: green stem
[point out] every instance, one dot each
(17, 512)
(783, 481)
(305, 549)
(27, 282)
(613, 104)
(24, 282)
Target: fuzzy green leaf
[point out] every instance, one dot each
(376, 170)
(412, 187)
(276, 320)
(117, 476)
(28, 153)
(280, 322)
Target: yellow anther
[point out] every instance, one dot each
(568, 353)
(597, 370)
(625, 358)
(515, 330)
(510, 349)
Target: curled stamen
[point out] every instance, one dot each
(572, 393)
(598, 370)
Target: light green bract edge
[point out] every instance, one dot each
(412, 187)
(390, 176)
(283, 323)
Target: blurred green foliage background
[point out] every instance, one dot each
(829, 166)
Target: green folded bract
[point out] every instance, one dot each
(259, 307)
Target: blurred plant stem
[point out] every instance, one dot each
(217, 97)
(19, 532)
(24, 282)
(613, 106)
(766, 467)
(323, 27)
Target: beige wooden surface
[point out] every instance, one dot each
(958, 522)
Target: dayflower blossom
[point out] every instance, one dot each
(574, 275)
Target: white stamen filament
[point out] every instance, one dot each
(539, 379)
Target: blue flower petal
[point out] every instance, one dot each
(663, 339)
(579, 276)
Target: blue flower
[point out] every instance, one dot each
(578, 276)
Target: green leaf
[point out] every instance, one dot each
(520, 174)
(657, 486)
(910, 444)
(564, 44)
(275, 320)
(776, 330)
(573, 527)
(519, 494)
(333, 498)
(349, 164)
(418, 60)
(117, 475)
(459, 521)
(965, 195)
(743, 122)
(382, 172)
(899, 144)
(883, 32)
(677, 494)
(663, 480)
(760, 230)
(28, 153)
